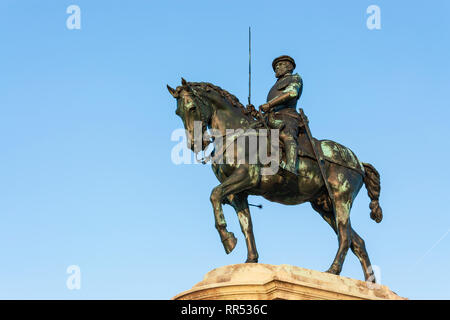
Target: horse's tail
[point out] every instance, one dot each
(372, 182)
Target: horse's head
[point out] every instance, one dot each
(194, 110)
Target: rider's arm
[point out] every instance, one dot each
(292, 91)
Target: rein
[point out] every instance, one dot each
(205, 124)
(235, 136)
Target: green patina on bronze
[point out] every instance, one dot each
(309, 181)
(339, 154)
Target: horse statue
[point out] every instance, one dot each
(217, 109)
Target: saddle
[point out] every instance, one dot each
(328, 150)
(304, 145)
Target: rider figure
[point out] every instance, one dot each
(281, 107)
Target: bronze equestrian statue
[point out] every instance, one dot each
(294, 183)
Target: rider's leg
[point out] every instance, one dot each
(291, 150)
(291, 155)
(289, 137)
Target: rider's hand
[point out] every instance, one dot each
(252, 111)
(264, 107)
(250, 107)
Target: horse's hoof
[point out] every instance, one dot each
(255, 260)
(333, 270)
(229, 243)
(370, 278)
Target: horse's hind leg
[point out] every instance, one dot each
(357, 243)
(359, 249)
(343, 231)
(325, 213)
(240, 204)
(345, 185)
(341, 228)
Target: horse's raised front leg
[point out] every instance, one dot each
(240, 204)
(238, 181)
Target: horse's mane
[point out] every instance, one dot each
(224, 93)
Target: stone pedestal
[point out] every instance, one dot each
(256, 281)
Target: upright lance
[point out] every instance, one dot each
(250, 76)
(249, 65)
(250, 84)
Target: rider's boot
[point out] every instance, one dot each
(291, 156)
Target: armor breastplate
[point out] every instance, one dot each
(279, 87)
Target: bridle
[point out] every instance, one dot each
(205, 122)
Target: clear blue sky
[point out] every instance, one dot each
(86, 176)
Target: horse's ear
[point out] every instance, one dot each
(186, 85)
(172, 92)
